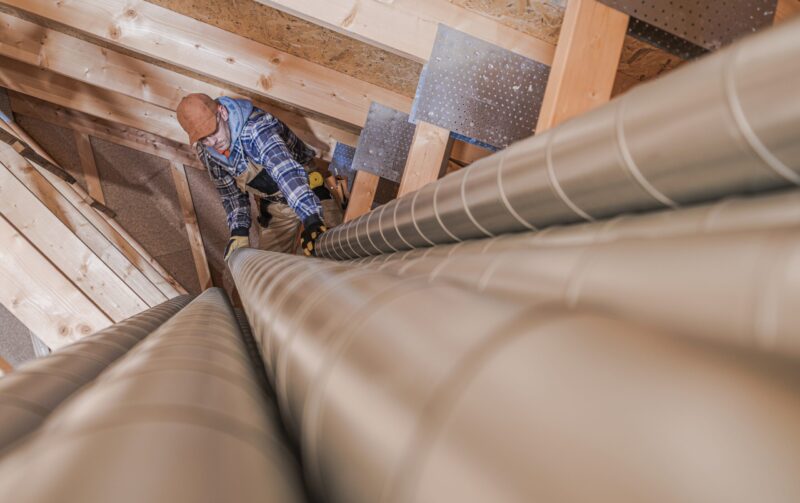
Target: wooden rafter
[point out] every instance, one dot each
(192, 228)
(408, 27)
(427, 158)
(182, 41)
(362, 195)
(89, 167)
(85, 62)
(40, 296)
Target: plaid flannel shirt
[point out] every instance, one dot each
(270, 143)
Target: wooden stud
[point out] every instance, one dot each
(89, 166)
(786, 10)
(192, 228)
(36, 292)
(361, 195)
(170, 37)
(427, 158)
(408, 27)
(585, 63)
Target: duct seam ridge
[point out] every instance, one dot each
(414, 219)
(551, 176)
(438, 218)
(504, 196)
(466, 205)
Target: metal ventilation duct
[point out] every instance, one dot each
(722, 125)
(29, 394)
(401, 389)
(181, 418)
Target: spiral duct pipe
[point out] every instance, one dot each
(400, 389)
(29, 394)
(723, 125)
(181, 418)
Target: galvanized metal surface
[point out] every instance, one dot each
(479, 90)
(384, 143)
(29, 394)
(180, 418)
(342, 163)
(664, 40)
(710, 24)
(724, 125)
(412, 390)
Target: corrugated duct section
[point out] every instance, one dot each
(181, 418)
(616, 360)
(29, 394)
(723, 125)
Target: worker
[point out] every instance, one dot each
(247, 150)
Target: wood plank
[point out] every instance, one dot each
(89, 63)
(120, 134)
(116, 235)
(89, 167)
(585, 63)
(65, 250)
(427, 158)
(70, 215)
(192, 228)
(408, 27)
(362, 195)
(786, 10)
(187, 43)
(45, 301)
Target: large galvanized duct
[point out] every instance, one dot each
(401, 390)
(725, 124)
(29, 394)
(180, 418)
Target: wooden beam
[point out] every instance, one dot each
(408, 27)
(192, 229)
(427, 158)
(45, 301)
(86, 224)
(116, 235)
(170, 37)
(585, 63)
(361, 195)
(86, 124)
(786, 10)
(85, 62)
(89, 167)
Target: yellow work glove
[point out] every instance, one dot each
(315, 180)
(309, 236)
(236, 242)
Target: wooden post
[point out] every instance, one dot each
(361, 195)
(192, 229)
(427, 158)
(585, 63)
(89, 166)
(5, 367)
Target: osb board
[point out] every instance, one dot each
(15, 339)
(539, 18)
(300, 38)
(139, 188)
(57, 141)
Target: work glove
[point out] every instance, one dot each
(236, 242)
(311, 232)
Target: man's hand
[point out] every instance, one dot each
(311, 233)
(236, 242)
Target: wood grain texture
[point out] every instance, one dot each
(52, 225)
(427, 157)
(68, 56)
(40, 296)
(165, 35)
(361, 195)
(585, 66)
(90, 175)
(408, 27)
(192, 228)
